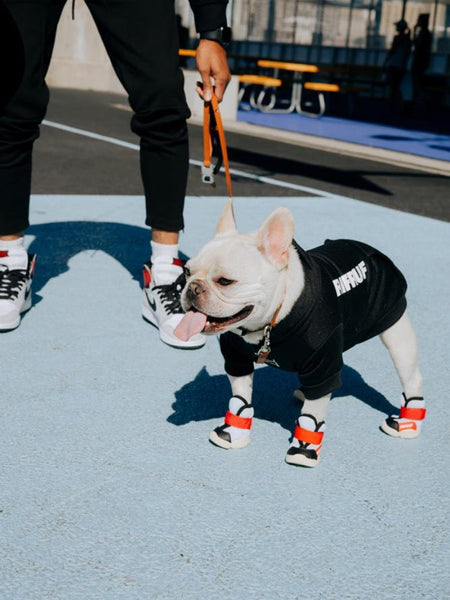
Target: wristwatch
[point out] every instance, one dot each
(222, 35)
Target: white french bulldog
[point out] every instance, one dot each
(273, 302)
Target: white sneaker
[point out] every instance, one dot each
(15, 293)
(235, 432)
(306, 443)
(409, 422)
(163, 282)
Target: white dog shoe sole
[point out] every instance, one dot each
(218, 441)
(300, 460)
(407, 434)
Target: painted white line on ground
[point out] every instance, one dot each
(193, 162)
(90, 134)
(271, 181)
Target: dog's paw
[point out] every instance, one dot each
(401, 428)
(235, 432)
(409, 422)
(306, 443)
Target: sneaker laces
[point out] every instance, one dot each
(170, 295)
(11, 282)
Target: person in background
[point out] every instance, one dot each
(421, 55)
(141, 39)
(396, 64)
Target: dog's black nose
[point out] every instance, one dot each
(195, 289)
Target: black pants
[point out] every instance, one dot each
(140, 37)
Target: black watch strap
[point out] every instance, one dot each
(222, 35)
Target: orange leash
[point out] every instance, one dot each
(213, 130)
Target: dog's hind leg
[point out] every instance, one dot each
(400, 340)
(310, 426)
(235, 431)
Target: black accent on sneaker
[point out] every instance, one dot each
(246, 405)
(11, 282)
(224, 435)
(309, 453)
(420, 398)
(170, 294)
(392, 422)
(151, 302)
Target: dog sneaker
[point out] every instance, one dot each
(15, 290)
(307, 442)
(235, 432)
(408, 423)
(163, 282)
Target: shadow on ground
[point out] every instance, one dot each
(207, 396)
(272, 165)
(56, 243)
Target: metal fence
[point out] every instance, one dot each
(364, 24)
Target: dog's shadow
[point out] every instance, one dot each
(207, 396)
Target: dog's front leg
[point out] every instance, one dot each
(235, 431)
(310, 426)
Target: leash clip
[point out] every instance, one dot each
(208, 175)
(265, 349)
(214, 143)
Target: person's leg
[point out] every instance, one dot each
(19, 128)
(142, 42)
(19, 124)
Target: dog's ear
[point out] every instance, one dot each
(275, 237)
(227, 223)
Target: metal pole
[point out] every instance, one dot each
(319, 23)
(347, 39)
(271, 22)
(294, 32)
(404, 8)
(436, 2)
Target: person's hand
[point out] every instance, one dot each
(212, 65)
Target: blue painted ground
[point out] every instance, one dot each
(421, 143)
(109, 488)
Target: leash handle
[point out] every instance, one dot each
(208, 170)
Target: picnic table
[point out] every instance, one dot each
(296, 102)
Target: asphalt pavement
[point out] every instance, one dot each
(109, 169)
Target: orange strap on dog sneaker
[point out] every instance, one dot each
(417, 414)
(237, 421)
(310, 437)
(210, 129)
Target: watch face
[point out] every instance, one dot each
(226, 35)
(221, 35)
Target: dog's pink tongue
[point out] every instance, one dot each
(190, 324)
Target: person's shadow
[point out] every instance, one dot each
(207, 396)
(56, 243)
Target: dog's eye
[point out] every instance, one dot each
(224, 281)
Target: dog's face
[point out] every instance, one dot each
(236, 280)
